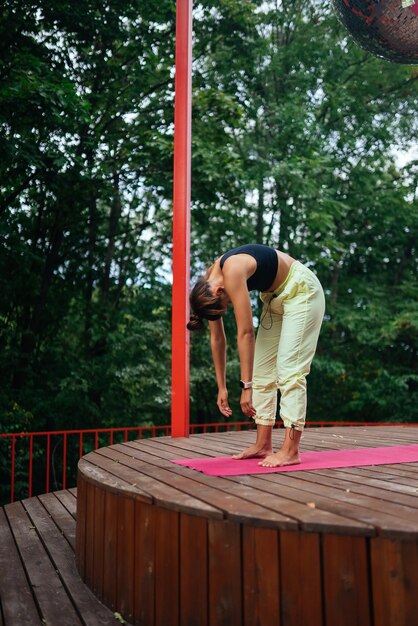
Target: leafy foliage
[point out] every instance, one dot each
(295, 131)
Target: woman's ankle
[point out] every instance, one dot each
(264, 435)
(291, 439)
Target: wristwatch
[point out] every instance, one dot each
(244, 385)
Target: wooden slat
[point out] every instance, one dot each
(167, 577)
(239, 504)
(193, 570)
(346, 581)
(95, 472)
(362, 478)
(110, 548)
(68, 500)
(164, 451)
(225, 595)
(17, 603)
(53, 601)
(62, 518)
(348, 505)
(91, 612)
(162, 492)
(209, 490)
(90, 533)
(125, 563)
(394, 568)
(80, 538)
(144, 581)
(301, 588)
(98, 541)
(348, 485)
(322, 516)
(261, 576)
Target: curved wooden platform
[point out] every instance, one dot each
(39, 582)
(166, 545)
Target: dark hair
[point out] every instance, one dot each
(204, 304)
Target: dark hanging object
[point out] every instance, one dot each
(387, 28)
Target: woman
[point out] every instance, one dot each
(287, 336)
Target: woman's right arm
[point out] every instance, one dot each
(218, 348)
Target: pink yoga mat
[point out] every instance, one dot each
(226, 466)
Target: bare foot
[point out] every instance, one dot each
(281, 458)
(254, 451)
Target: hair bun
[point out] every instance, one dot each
(196, 322)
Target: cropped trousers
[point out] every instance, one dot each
(285, 346)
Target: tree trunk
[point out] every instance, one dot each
(115, 214)
(35, 321)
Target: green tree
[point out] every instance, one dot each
(294, 134)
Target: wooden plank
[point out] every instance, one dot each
(17, 604)
(54, 604)
(97, 474)
(215, 493)
(90, 610)
(163, 451)
(348, 474)
(261, 579)
(125, 562)
(90, 534)
(394, 566)
(158, 479)
(346, 581)
(410, 469)
(156, 491)
(167, 577)
(331, 483)
(68, 500)
(144, 552)
(225, 595)
(193, 570)
(62, 518)
(311, 517)
(110, 549)
(356, 507)
(211, 446)
(80, 539)
(393, 481)
(98, 541)
(301, 591)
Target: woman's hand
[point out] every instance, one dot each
(223, 403)
(247, 403)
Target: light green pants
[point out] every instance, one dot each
(285, 346)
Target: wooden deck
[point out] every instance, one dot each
(166, 545)
(39, 581)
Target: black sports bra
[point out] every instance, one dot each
(267, 264)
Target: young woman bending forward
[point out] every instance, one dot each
(281, 356)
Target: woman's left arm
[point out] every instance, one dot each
(236, 288)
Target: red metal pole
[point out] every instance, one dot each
(30, 464)
(181, 221)
(12, 479)
(64, 462)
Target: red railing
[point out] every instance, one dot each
(39, 450)
(29, 448)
